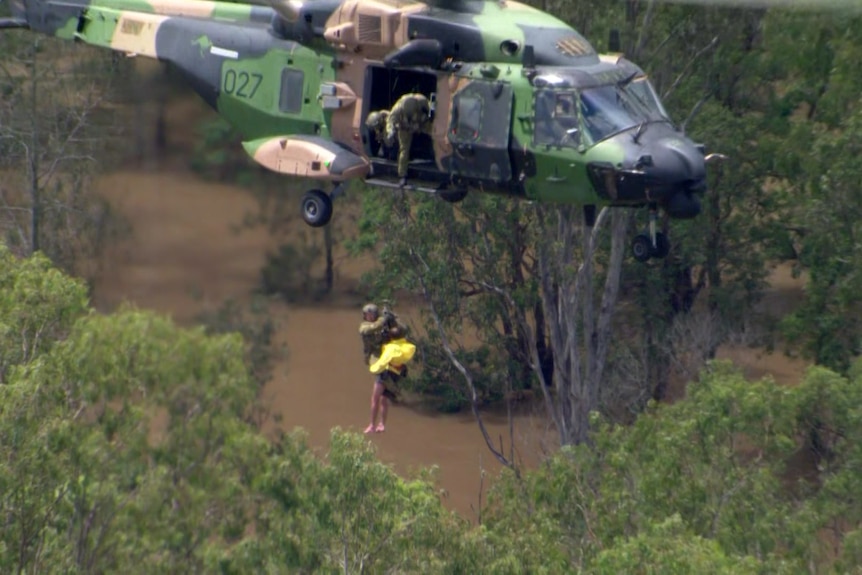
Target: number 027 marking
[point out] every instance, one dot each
(241, 84)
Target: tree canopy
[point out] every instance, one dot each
(127, 444)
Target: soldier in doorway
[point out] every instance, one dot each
(376, 123)
(410, 115)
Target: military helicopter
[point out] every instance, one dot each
(521, 103)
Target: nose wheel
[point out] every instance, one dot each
(643, 247)
(316, 206)
(652, 244)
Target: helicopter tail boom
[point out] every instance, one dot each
(66, 18)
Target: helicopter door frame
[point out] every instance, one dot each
(383, 86)
(480, 128)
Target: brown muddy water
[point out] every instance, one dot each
(183, 259)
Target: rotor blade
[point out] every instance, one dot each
(287, 9)
(816, 5)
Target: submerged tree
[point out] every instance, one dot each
(55, 132)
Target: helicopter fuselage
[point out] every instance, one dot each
(522, 104)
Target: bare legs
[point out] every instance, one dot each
(384, 409)
(379, 404)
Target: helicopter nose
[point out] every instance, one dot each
(675, 175)
(662, 167)
(673, 164)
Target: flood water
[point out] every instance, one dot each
(183, 258)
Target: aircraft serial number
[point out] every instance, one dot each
(241, 84)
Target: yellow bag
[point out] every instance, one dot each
(395, 354)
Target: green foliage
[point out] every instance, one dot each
(345, 513)
(38, 304)
(722, 482)
(467, 257)
(288, 272)
(218, 153)
(257, 328)
(826, 327)
(666, 548)
(124, 446)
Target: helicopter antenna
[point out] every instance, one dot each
(529, 58)
(287, 9)
(639, 133)
(627, 80)
(614, 41)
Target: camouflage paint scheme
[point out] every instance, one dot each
(293, 79)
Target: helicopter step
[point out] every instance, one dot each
(442, 191)
(422, 176)
(397, 185)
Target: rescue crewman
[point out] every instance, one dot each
(410, 115)
(376, 122)
(376, 330)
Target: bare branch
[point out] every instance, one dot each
(696, 109)
(535, 362)
(474, 396)
(688, 67)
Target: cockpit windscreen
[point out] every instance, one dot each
(600, 112)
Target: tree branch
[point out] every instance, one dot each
(688, 66)
(459, 366)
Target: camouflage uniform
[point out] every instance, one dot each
(376, 122)
(373, 338)
(376, 333)
(411, 114)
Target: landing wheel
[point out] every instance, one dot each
(590, 215)
(662, 246)
(452, 196)
(316, 208)
(642, 247)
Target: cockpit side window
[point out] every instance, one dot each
(544, 118)
(602, 113)
(556, 118)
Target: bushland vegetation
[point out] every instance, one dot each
(739, 477)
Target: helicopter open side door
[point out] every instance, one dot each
(479, 131)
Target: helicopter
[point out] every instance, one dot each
(521, 104)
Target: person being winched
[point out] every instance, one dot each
(386, 351)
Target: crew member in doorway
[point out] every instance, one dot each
(376, 123)
(410, 115)
(386, 351)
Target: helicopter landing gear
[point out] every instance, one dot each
(590, 215)
(653, 244)
(643, 248)
(316, 208)
(452, 196)
(338, 191)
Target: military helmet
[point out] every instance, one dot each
(370, 308)
(375, 119)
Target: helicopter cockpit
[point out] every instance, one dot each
(568, 116)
